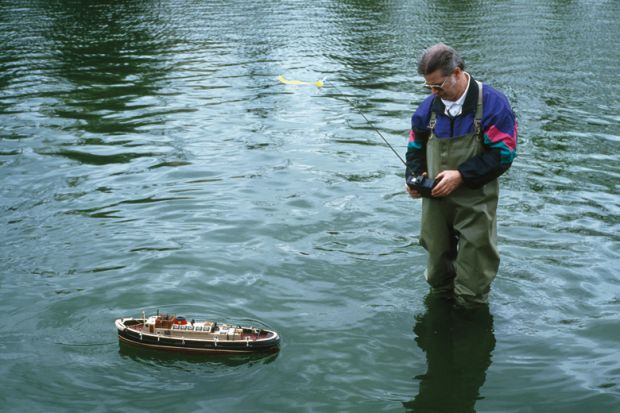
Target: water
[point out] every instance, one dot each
(150, 159)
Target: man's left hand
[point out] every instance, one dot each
(447, 182)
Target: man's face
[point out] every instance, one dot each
(442, 85)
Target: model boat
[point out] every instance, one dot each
(169, 332)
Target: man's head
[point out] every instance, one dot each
(440, 57)
(443, 71)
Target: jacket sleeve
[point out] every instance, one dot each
(418, 136)
(499, 141)
(416, 153)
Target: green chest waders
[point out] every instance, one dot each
(459, 231)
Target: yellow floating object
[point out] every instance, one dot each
(318, 83)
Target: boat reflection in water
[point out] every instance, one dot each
(458, 344)
(183, 361)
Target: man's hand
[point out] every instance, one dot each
(447, 182)
(412, 192)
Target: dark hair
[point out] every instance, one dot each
(442, 57)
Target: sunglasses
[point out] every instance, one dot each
(436, 85)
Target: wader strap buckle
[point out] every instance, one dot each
(432, 122)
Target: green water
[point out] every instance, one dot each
(150, 159)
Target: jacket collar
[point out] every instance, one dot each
(470, 104)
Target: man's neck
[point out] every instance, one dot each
(464, 84)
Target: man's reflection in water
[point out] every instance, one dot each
(458, 345)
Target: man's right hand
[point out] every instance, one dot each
(412, 192)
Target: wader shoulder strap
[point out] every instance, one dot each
(478, 118)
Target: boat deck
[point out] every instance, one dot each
(199, 332)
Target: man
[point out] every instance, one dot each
(463, 137)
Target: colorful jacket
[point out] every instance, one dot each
(499, 134)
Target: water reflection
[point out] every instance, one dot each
(458, 345)
(111, 66)
(181, 360)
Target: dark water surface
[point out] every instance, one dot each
(150, 159)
